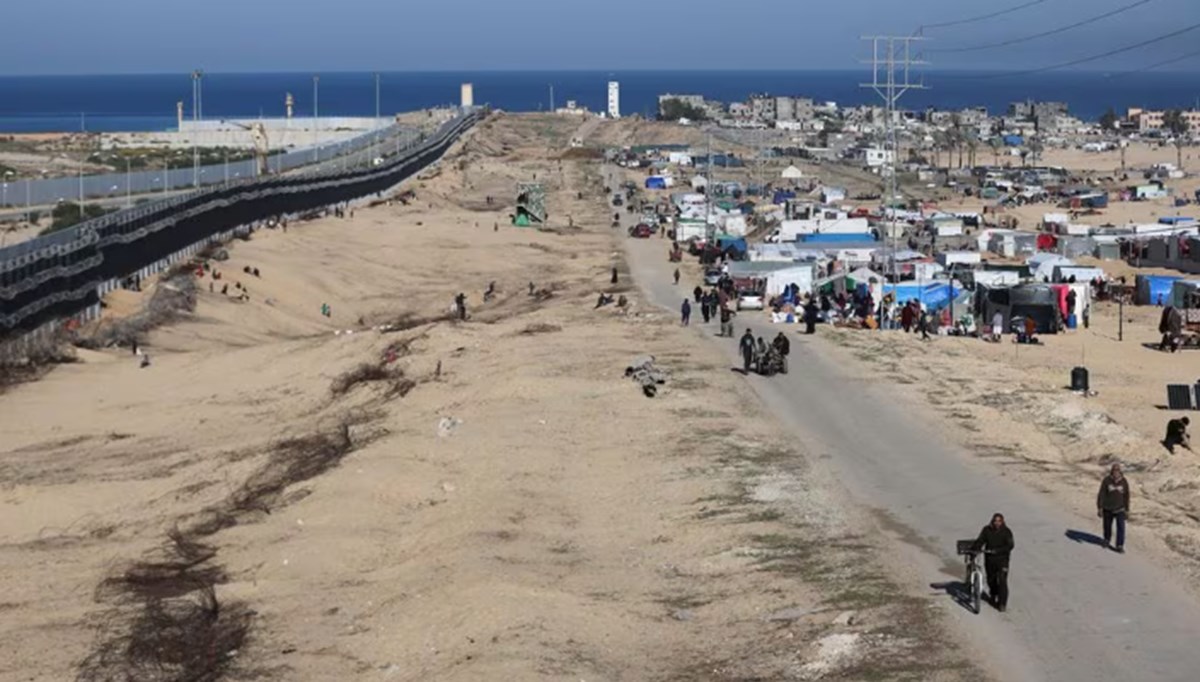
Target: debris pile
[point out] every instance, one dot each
(647, 374)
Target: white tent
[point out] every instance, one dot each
(699, 181)
(791, 173)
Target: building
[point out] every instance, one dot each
(1034, 110)
(762, 107)
(614, 99)
(1143, 119)
(468, 95)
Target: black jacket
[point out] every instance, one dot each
(1113, 495)
(782, 344)
(996, 542)
(747, 344)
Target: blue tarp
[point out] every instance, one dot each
(935, 295)
(655, 182)
(1154, 289)
(782, 196)
(1175, 220)
(732, 244)
(1095, 201)
(835, 237)
(1014, 140)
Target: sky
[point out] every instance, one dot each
(162, 36)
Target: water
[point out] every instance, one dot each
(147, 102)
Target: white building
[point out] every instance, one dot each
(614, 99)
(468, 95)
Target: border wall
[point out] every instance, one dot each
(62, 276)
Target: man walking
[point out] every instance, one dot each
(1112, 504)
(686, 311)
(676, 276)
(783, 347)
(747, 348)
(996, 542)
(704, 309)
(697, 293)
(726, 321)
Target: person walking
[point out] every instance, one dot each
(1112, 504)
(677, 276)
(996, 543)
(783, 347)
(747, 347)
(923, 324)
(705, 310)
(810, 317)
(613, 280)
(460, 305)
(697, 293)
(686, 312)
(726, 322)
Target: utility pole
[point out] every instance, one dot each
(316, 117)
(552, 98)
(195, 127)
(891, 77)
(377, 99)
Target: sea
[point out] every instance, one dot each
(148, 102)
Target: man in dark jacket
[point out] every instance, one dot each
(747, 347)
(1112, 504)
(996, 542)
(1177, 434)
(783, 346)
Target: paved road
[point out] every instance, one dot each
(1077, 612)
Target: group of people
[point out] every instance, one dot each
(996, 540)
(763, 358)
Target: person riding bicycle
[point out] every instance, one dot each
(996, 543)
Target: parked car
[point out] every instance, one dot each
(749, 300)
(712, 276)
(618, 201)
(641, 231)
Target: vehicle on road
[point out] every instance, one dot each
(749, 300)
(617, 200)
(641, 231)
(712, 276)
(974, 582)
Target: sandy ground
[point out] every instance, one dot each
(1011, 405)
(500, 501)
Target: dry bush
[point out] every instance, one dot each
(540, 328)
(179, 567)
(192, 638)
(398, 385)
(582, 153)
(28, 359)
(407, 321)
(172, 297)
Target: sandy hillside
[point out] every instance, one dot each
(276, 496)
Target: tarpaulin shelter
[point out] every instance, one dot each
(933, 295)
(1153, 289)
(1036, 301)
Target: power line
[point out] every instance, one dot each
(1151, 67)
(1044, 34)
(984, 17)
(1084, 60)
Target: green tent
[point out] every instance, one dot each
(522, 220)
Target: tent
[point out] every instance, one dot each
(1153, 289)
(1037, 301)
(934, 295)
(1042, 264)
(656, 182)
(791, 173)
(1186, 294)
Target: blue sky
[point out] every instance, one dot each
(156, 36)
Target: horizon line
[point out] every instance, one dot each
(613, 72)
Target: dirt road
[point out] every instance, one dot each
(1078, 612)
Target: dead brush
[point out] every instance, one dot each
(397, 385)
(171, 299)
(23, 360)
(180, 566)
(292, 461)
(539, 328)
(194, 637)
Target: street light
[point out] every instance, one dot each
(197, 75)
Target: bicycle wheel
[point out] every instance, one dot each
(976, 590)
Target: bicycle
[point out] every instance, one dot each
(966, 549)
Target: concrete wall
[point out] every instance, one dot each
(232, 139)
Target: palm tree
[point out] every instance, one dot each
(1035, 149)
(995, 143)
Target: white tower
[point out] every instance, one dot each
(468, 95)
(614, 99)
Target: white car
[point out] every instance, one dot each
(749, 300)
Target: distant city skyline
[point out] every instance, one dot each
(228, 36)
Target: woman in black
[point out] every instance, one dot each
(996, 542)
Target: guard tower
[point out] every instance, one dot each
(531, 204)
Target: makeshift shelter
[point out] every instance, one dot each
(1185, 294)
(933, 295)
(656, 182)
(1036, 301)
(1153, 289)
(1063, 273)
(1042, 264)
(791, 173)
